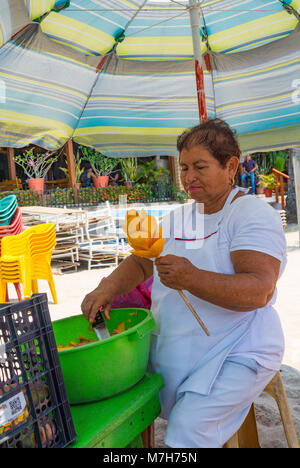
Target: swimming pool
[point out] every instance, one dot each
(153, 210)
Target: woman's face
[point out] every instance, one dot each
(203, 177)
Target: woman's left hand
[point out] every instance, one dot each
(174, 272)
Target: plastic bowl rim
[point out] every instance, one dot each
(113, 337)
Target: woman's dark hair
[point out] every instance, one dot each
(216, 136)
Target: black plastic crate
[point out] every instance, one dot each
(34, 408)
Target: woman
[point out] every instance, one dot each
(229, 274)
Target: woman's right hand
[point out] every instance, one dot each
(91, 304)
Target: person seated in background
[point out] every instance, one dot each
(115, 177)
(87, 177)
(249, 167)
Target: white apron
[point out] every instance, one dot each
(181, 352)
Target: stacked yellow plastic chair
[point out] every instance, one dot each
(15, 264)
(26, 258)
(42, 240)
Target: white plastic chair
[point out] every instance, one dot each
(101, 246)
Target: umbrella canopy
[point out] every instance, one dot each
(119, 75)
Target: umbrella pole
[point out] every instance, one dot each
(194, 10)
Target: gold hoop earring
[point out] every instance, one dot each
(232, 182)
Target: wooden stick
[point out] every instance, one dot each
(193, 312)
(192, 309)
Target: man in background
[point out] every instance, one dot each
(249, 167)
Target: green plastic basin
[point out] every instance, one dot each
(105, 368)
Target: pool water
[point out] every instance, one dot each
(155, 211)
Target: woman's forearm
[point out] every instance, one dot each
(238, 292)
(130, 273)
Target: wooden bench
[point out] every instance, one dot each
(59, 183)
(9, 185)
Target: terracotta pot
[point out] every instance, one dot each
(259, 190)
(37, 185)
(268, 192)
(129, 183)
(100, 181)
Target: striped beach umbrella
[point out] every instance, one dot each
(119, 75)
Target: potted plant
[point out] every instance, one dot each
(102, 165)
(268, 183)
(280, 160)
(36, 166)
(78, 170)
(259, 188)
(129, 170)
(181, 196)
(148, 172)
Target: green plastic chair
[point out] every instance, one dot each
(7, 202)
(8, 207)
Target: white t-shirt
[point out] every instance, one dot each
(249, 224)
(252, 224)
